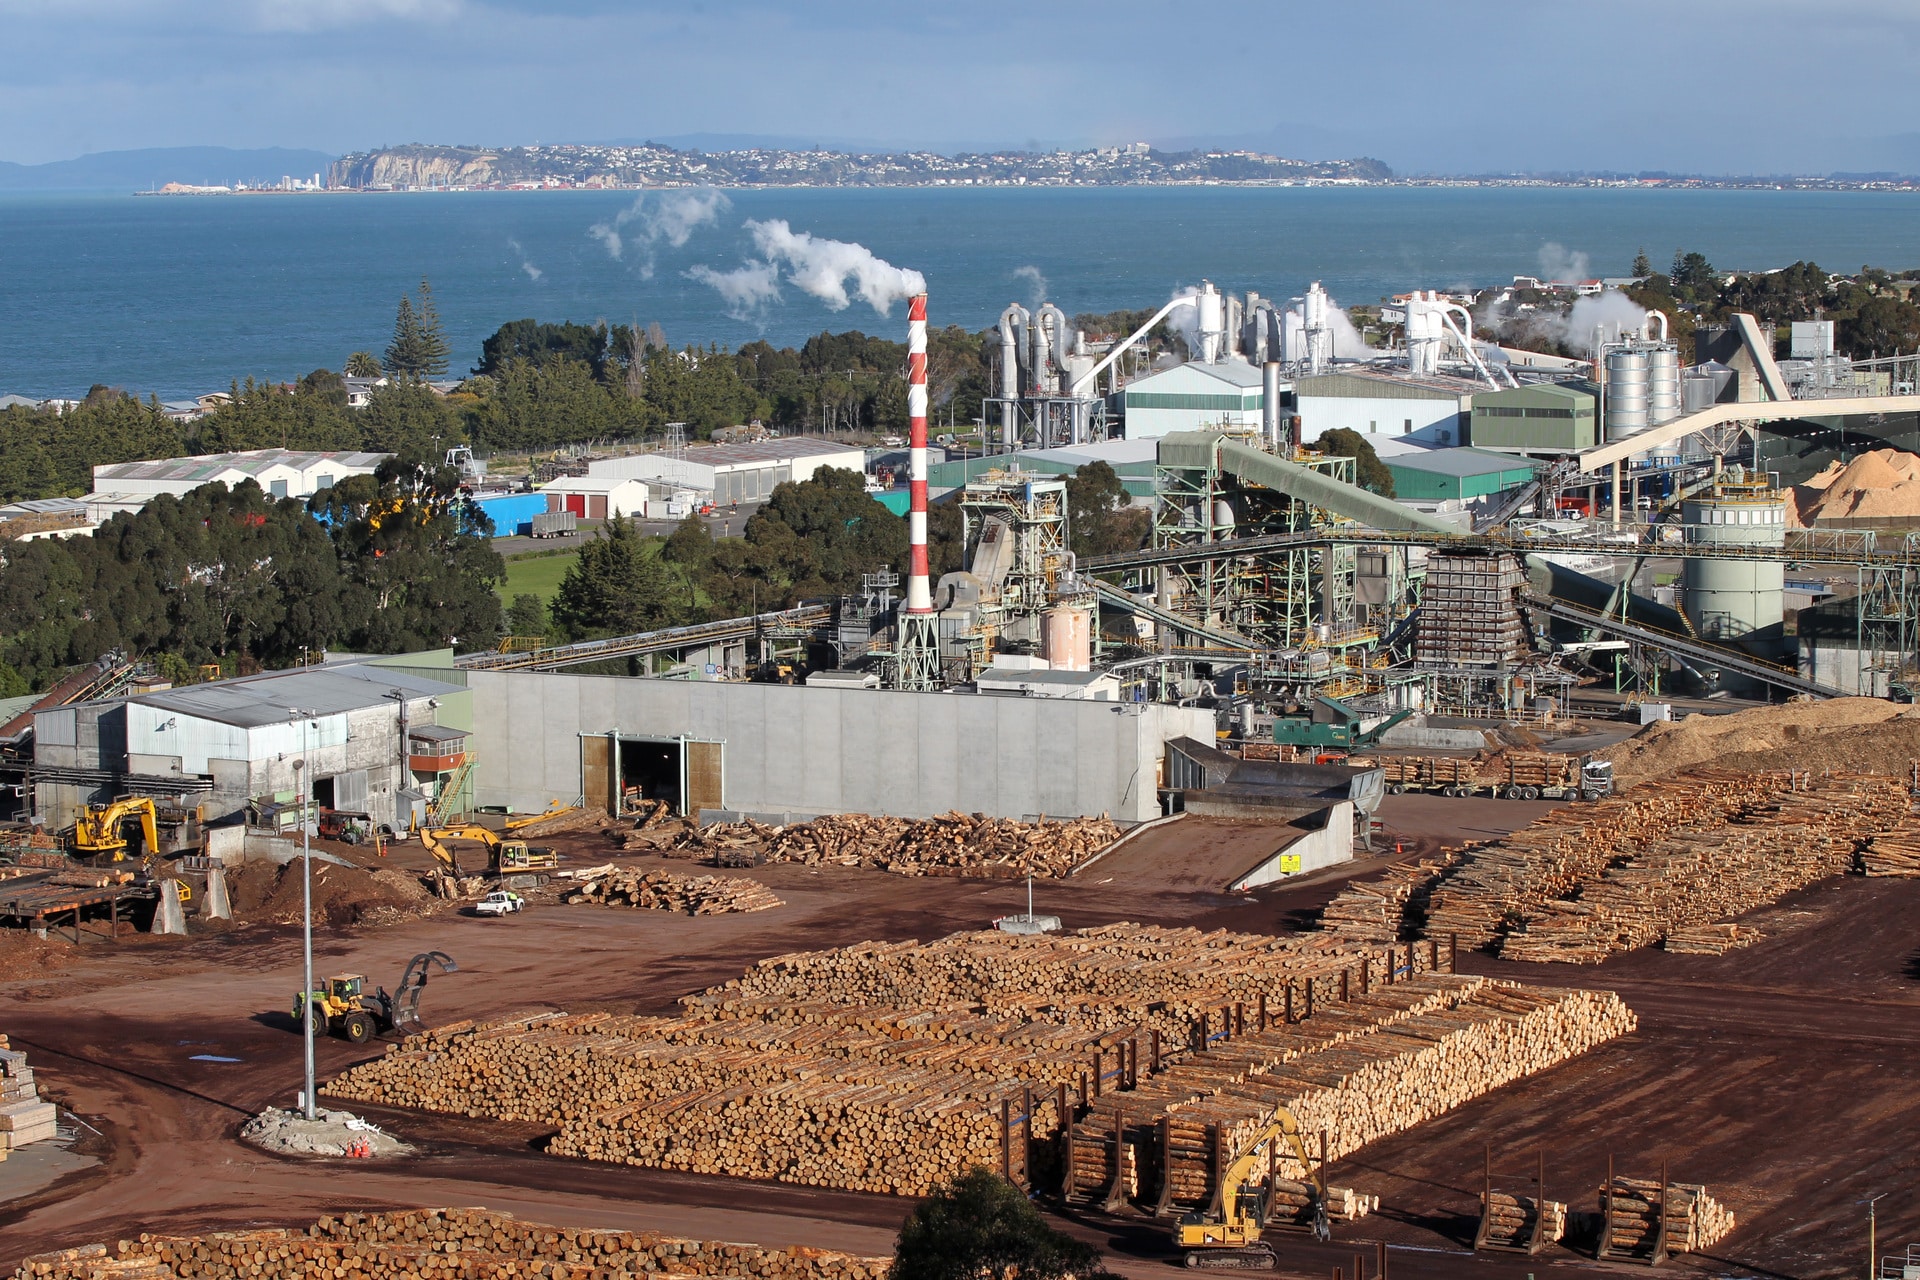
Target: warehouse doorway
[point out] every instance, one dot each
(625, 773)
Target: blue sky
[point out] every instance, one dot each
(1732, 86)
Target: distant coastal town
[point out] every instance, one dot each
(424, 168)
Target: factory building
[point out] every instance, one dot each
(1131, 460)
(779, 750)
(282, 473)
(1431, 409)
(734, 472)
(1436, 475)
(383, 740)
(1545, 418)
(1197, 396)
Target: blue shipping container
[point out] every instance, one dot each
(513, 512)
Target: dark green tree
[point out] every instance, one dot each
(616, 587)
(1368, 470)
(1693, 278)
(406, 352)
(363, 364)
(1642, 265)
(840, 530)
(434, 351)
(540, 344)
(981, 1227)
(527, 615)
(1097, 513)
(1883, 325)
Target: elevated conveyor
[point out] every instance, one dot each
(1706, 655)
(640, 643)
(1127, 604)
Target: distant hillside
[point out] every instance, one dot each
(157, 166)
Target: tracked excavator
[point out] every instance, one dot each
(1227, 1236)
(504, 857)
(101, 829)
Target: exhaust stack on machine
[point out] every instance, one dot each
(915, 634)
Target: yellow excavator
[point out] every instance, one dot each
(101, 828)
(504, 857)
(1227, 1235)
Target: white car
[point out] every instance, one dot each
(499, 903)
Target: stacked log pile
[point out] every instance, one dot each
(1709, 939)
(1292, 1203)
(1695, 1220)
(892, 1067)
(1701, 873)
(468, 1244)
(1376, 912)
(1494, 885)
(665, 891)
(1511, 1220)
(1895, 851)
(1468, 1039)
(953, 844)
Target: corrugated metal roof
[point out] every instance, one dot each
(1457, 462)
(251, 462)
(1234, 372)
(1365, 384)
(777, 450)
(265, 699)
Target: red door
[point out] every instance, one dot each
(577, 503)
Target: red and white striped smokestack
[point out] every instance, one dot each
(919, 591)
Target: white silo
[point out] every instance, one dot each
(1727, 599)
(1213, 323)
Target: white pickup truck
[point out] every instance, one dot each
(499, 903)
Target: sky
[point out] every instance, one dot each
(1714, 86)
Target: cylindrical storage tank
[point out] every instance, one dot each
(1213, 323)
(1270, 407)
(1066, 636)
(1663, 385)
(1626, 394)
(1726, 599)
(1698, 391)
(1222, 514)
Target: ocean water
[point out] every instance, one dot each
(182, 295)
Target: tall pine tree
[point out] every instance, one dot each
(404, 352)
(433, 342)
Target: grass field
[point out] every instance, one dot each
(538, 575)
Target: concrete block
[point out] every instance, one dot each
(168, 917)
(217, 906)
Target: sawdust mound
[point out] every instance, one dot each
(24, 956)
(1793, 736)
(1881, 485)
(266, 893)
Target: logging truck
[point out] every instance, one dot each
(1541, 776)
(1227, 1235)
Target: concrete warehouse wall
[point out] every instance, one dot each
(824, 750)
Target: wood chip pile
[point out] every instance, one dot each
(467, 1244)
(955, 844)
(893, 1067)
(1695, 1220)
(1358, 1071)
(1704, 871)
(666, 891)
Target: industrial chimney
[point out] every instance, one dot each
(916, 636)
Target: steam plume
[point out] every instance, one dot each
(824, 268)
(746, 290)
(1612, 311)
(668, 217)
(526, 264)
(1557, 266)
(1036, 284)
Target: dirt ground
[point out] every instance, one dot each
(1784, 1076)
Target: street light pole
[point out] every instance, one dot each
(303, 767)
(1873, 1243)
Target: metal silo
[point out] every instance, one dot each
(1663, 385)
(1626, 394)
(1726, 599)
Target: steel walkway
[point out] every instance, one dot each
(646, 642)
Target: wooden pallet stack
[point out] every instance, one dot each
(666, 891)
(1704, 873)
(1630, 1218)
(463, 1243)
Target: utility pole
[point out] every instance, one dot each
(1873, 1243)
(304, 768)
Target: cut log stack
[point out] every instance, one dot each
(441, 1244)
(1709, 939)
(1378, 912)
(1460, 1039)
(23, 1117)
(1895, 851)
(665, 891)
(1520, 1222)
(1704, 872)
(954, 844)
(1492, 886)
(1631, 1220)
(892, 1067)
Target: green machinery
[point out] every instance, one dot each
(1328, 722)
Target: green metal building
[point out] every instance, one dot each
(1434, 475)
(1131, 460)
(1546, 418)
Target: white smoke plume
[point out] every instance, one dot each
(1036, 284)
(1557, 266)
(526, 264)
(747, 290)
(658, 217)
(1185, 318)
(824, 268)
(1612, 312)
